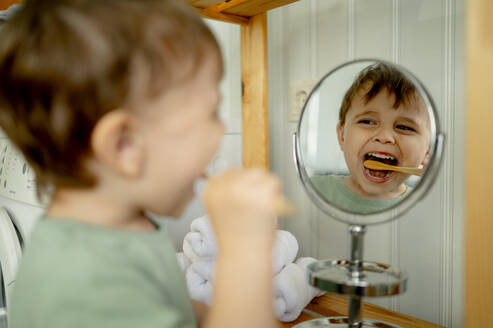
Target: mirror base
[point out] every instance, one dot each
(375, 279)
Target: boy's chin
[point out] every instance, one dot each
(181, 206)
(383, 192)
(173, 213)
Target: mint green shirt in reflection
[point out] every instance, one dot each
(333, 189)
(76, 275)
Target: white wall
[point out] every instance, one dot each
(310, 37)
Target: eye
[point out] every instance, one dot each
(366, 121)
(405, 128)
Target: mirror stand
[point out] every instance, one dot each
(357, 279)
(356, 273)
(345, 122)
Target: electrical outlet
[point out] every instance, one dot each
(298, 94)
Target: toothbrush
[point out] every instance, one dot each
(375, 165)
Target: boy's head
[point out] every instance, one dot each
(383, 118)
(84, 87)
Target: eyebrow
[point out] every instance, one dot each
(408, 119)
(404, 118)
(368, 112)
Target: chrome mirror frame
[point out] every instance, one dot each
(420, 190)
(3, 300)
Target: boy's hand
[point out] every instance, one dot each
(242, 208)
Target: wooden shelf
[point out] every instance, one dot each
(4, 4)
(236, 11)
(245, 8)
(332, 305)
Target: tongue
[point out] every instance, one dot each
(378, 173)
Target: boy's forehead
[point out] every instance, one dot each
(412, 107)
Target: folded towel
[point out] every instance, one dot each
(200, 277)
(200, 244)
(303, 262)
(292, 292)
(284, 251)
(201, 238)
(183, 261)
(190, 253)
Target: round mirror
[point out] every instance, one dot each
(368, 144)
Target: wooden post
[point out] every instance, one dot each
(4, 4)
(479, 165)
(254, 92)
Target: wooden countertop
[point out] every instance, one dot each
(332, 305)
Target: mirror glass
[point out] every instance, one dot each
(367, 141)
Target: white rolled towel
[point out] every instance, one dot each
(200, 278)
(190, 253)
(284, 251)
(183, 261)
(200, 244)
(200, 240)
(303, 262)
(292, 293)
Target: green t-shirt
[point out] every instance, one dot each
(76, 275)
(334, 189)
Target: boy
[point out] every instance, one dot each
(113, 103)
(383, 118)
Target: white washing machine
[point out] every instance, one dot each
(19, 210)
(11, 240)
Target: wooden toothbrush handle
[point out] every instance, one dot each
(284, 207)
(410, 170)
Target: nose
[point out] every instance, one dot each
(385, 136)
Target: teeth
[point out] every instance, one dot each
(381, 156)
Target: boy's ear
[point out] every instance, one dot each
(340, 135)
(117, 144)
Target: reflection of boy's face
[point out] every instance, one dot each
(375, 130)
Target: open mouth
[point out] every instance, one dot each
(379, 176)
